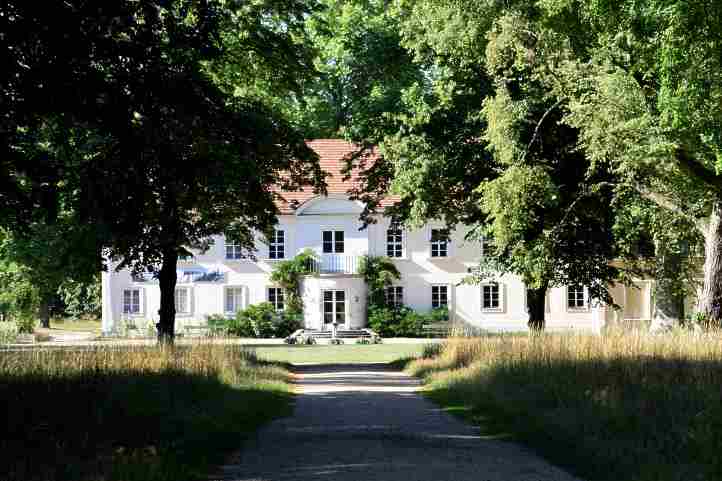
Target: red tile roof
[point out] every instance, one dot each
(332, 154)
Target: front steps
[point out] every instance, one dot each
(324, 337)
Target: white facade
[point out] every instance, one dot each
(427, 276)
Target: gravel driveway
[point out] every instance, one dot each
(367, 422)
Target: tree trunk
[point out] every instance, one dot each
(535, 304)
(711, 297)
(44, 313)
(668, 297)
(167, 279)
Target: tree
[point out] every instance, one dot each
(646, 103)
(171, 159)
(481, 143)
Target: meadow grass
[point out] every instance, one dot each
(131, 413)
(345, 354)
(623, 406)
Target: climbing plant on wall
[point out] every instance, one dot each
(287, 274)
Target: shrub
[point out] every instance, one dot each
(288, 323)
(25, 324)
(8, 332)
(382, 320)
(217, 324)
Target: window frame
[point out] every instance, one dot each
(274, 245)
(585, 298)
(189, 300)
(500, 297)
(241, 298)
(236, 249)
(394, 300)
(334, 240)
(334, 301)
(438, 243)
(448, 296)
(398, 246)
(274, 302)
(141, 299)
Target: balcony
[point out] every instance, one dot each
(336, 264)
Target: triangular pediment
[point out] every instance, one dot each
(322, 205)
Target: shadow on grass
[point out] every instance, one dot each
(170, 425)
(635, 419)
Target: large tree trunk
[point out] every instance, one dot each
(167, 279)
(44, 312)
(668, 293)
(711, 297)
(535, 304)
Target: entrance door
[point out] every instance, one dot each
(334, 307)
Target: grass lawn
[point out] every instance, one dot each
(131, 414)
(76, 325)
(345, 353)
(622, 406)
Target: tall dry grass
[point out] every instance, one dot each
(623, 406)
(131, 413)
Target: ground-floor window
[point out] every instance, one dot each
(275, 297)
(491, 297)
(394, 296)
(334, 307)
(234, 299)
(576, 297)
(439, 296)
(182, 300)
(131, 301)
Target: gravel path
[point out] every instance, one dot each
(368, 423)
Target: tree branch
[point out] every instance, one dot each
(697, 170)
(666, 203)
(538, 126)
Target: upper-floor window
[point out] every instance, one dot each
(439, 243)
(234, 251)
(576, 297)
(439, 296)
(277, 245)
(333, 242)
(275, 297)
(394, 296)
(131, 301)
(234, 299)
(394, 241)
(182, 300)
(491, 297)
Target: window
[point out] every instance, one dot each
(131, 301)
(189, 276)
(439, 296)
(576, 297)
(491, 297)
(276, 248)
(394, 296)
(275, 297)
(487, 246)
(234, 299)
(234, 251)
(334, 307)
(394, 241)
(333, 242)
(182, 300)
(439, 243)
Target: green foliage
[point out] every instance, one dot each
(81, 299)
(379, 272)
(403, 321)
(287, 274)
(257, 320)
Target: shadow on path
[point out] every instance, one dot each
(368, 422)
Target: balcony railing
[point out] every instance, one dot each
(336, 264)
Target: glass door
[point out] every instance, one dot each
(334, 307)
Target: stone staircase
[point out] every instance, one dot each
(340, 334)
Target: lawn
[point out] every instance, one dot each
(75, 325)
(625, 406)
(345, 353)
(132, 413)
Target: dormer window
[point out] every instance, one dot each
(439, 243)
(333, 242)
(234, 251)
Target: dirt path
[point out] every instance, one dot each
(368, 423)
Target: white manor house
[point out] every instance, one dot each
(431, 261)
